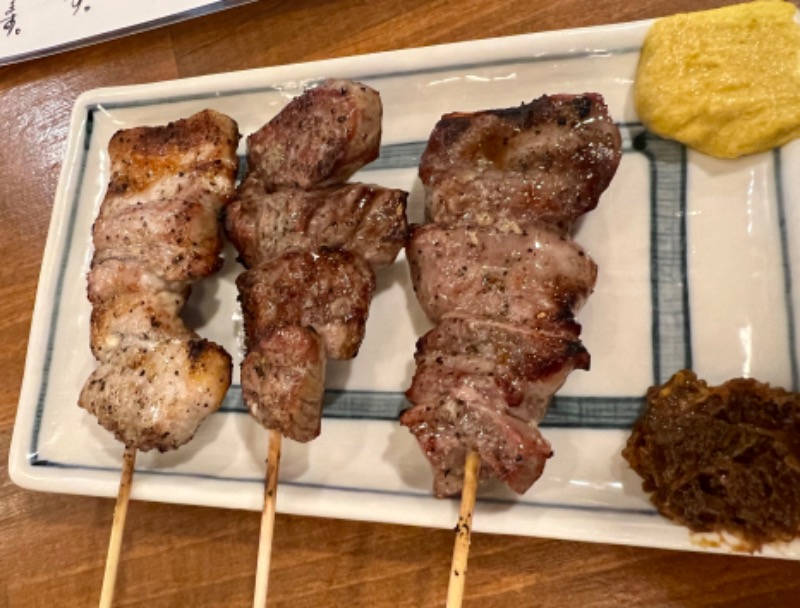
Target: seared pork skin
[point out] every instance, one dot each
(366, 219)
(310, 243)
(498, 273)
(156, 232)
(548, 160)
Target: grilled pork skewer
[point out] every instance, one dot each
(157, 231)
(311, 244)
(498, 273)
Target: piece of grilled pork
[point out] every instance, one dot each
(548, 160)
(454, 414)
(531, 276)
(525, 365)
(327, 290)
(156, 232)
(365, 219)
(311, 243)
(320, 138)
(498, 273)
(286, 369)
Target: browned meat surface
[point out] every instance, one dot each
(176, 239)
(113, 278)
(167, 187)
(144, 316)
(454, 413)
(327, 290)
(482, 385)
(533, 277)
(192, 159)
(154, 395)
(283, 379)
(526, 367)
(547, 160)
(157, 231)
(367, 220)
(497, 271)
(724, 458)
(321, 138)
(310, 242)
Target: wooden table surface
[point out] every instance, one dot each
(53, 547)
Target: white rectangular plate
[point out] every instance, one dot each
(695, 271)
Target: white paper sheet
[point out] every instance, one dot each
(32, 28)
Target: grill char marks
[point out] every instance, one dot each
(311, 243)
(527, 366)
(498, 273)
(329, 291)
(365, 219)
(189, 157)
(156, 232)
(548, 160)
(454, 414)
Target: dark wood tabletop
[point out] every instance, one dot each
(53, 547)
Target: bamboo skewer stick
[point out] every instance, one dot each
(118, 527)
(267, 520)
(458, 568)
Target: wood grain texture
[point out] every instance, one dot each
(52, 547)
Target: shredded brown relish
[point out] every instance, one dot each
(721, 459)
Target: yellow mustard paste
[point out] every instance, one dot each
(726, 81)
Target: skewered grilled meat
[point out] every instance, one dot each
(157, 231)
(532, 276)
(320, 138)
(286, 369)
(128, 277)
(455, 413)
(176, 239)
(310, 243)
(498, 273)
(327, 290)
(156, 394)
(525, 365)
(366, 219)
(549, 160)
(144, 316)
(480, 385)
